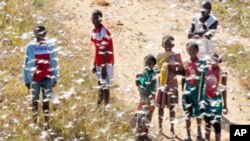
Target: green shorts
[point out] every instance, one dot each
(213, 107)
(190, 100)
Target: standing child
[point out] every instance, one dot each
(203, 30)
(40, 71)
(146, 83)
(215, 96)
(191, 99)
(170, 66)
(104, 57)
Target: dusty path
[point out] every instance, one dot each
(138, 27)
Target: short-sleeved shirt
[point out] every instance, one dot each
(101, 37)
(148, 78)
(191, 72)
(212, 81)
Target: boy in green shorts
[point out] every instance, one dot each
(215, 96)
(191, 99)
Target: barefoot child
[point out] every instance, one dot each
(190, 100)
(170, 65)
(104, 57)
(215, 96)
(146, 83)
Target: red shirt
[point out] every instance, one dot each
(192, 71)
(212, 81)
(42, 63)
(101, 38)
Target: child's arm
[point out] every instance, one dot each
(105, 60)
(137, 81)
(181, 70)
(224, 92)
(191, 31)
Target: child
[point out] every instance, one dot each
(40, 55)
(104, 56)
(190, 100)
(203, 30)
(146, 83)
(170, 65)
(214, 92)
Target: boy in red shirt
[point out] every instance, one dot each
(104, 57)
(190, 98)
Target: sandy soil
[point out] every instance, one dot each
(138, 27)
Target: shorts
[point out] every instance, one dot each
(191, 100)
(166, 98)
(109, 78)
(213, 108)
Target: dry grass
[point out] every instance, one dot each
(75, 116)
(234, 15)
(237, 57)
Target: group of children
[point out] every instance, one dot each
(203, 81)
(202, 90)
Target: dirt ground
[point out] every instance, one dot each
(137, 27)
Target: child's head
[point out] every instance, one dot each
(96, 17)
(206, 8)
(39, 32)
(168, 42)
(150, 61)
(215, 59)
(192, 49)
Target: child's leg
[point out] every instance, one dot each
(35, 111)
(160, 114)
(207, 128)
(173, 102)
(217, 130)
(100, 94)
(106, 96)
(188, 121)
(46, 90)
(152, 108)
(35, 87)
(109, 77)
(199, 133)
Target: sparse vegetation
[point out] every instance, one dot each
(237, 57)
(74, 111)
(234, 15)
